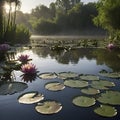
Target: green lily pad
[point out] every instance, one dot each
(75, 83)
(106, 111)
(48, 75)
(102, 84)
(89, 77)
(65, 75)
(110, 75)
(110, 97)
(54, 86)
(12, 87)
(48, 107)
(90, 91)
(30, 98)
(83, 101)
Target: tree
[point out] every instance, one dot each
(41, 12)
(63, 5)
(108, 15)
(1, 19)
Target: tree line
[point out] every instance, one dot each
(62, 16)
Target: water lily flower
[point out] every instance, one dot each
(4, 47)
(23, 58)
(110, 46)
(29, 69)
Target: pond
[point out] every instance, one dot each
(79, 61)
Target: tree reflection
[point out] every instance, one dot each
(102, 56)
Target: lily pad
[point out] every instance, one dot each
(83, 101)
(90, 91)
(89, 77)
(48, 75)
(75, 83)
(54, 86)
(48, 107)
(102, 84)
(110, 97)
(12, 87)
(65, 75)
(110, 75)
(106, 111)
(30, 98)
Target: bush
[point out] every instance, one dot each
(46, 27)
(22, 34)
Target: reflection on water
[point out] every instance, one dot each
(87, 61)
(100, 56)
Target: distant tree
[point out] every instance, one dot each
(41, 11)
(63, 5)
(52, 8)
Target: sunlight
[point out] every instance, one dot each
(7, 8)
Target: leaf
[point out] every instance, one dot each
(83, 101)
(90, 91)
(12, 87)
(106, 111)
(110, 97)
(48, 75)
(110, 75)
(30, 98)
(89, 77)
(48, 107)
(75, 83)
(54, 86)
(65, 75)
(102, 84)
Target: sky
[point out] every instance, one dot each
(27, 5)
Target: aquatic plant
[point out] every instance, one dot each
(12, 87)
(28, 78)
(30, 98)
(106, 111)
(75, 83)
(83, 101)
(110, 46)
(3, 50)
(110, 97)
(48, 75)
(29, 69)
(90, 91)
(23, 58)
(64, 75)
(4, 47)
(89, 77)
(48, 107)
(102, 84)
(54, 86)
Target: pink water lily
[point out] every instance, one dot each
(4, 47)
(23, 58)
(29, 68)
(110, 46)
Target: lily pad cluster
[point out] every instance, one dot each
(90, 86)
(45, 107)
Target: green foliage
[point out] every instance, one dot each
(109, 16)
(22, 34)
(46, 27)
